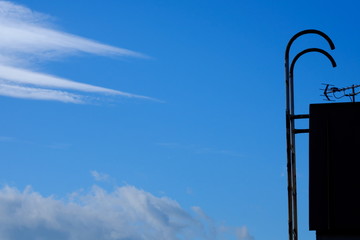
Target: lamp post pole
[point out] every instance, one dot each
(290, 124)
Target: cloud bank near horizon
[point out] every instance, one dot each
(28, 37)
(127, 213)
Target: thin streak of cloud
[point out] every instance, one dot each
(43, 42)
(16, 13)
(39, 94)
(27, 32)
(26, 35)
(26, 77)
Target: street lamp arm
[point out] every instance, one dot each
(307, 51)
(308, 31)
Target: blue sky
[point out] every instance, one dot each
(158, 119)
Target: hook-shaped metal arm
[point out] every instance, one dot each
(312, 31)
(307, 51)
(291, 71)
(287, 53)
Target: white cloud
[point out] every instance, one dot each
(242, 233)
(17, 91)
(127, 213)
(15, 78)
(27, 37)
(101, 177)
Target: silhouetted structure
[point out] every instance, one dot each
(334, 184)
(290, 123)
(334, 156)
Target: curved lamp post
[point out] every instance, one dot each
(290, 123)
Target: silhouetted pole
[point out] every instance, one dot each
(290, 124)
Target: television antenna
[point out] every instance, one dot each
(332, 93)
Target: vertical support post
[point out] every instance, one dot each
(290, 127)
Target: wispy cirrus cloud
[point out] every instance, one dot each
(27, 37)
(127, 213)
